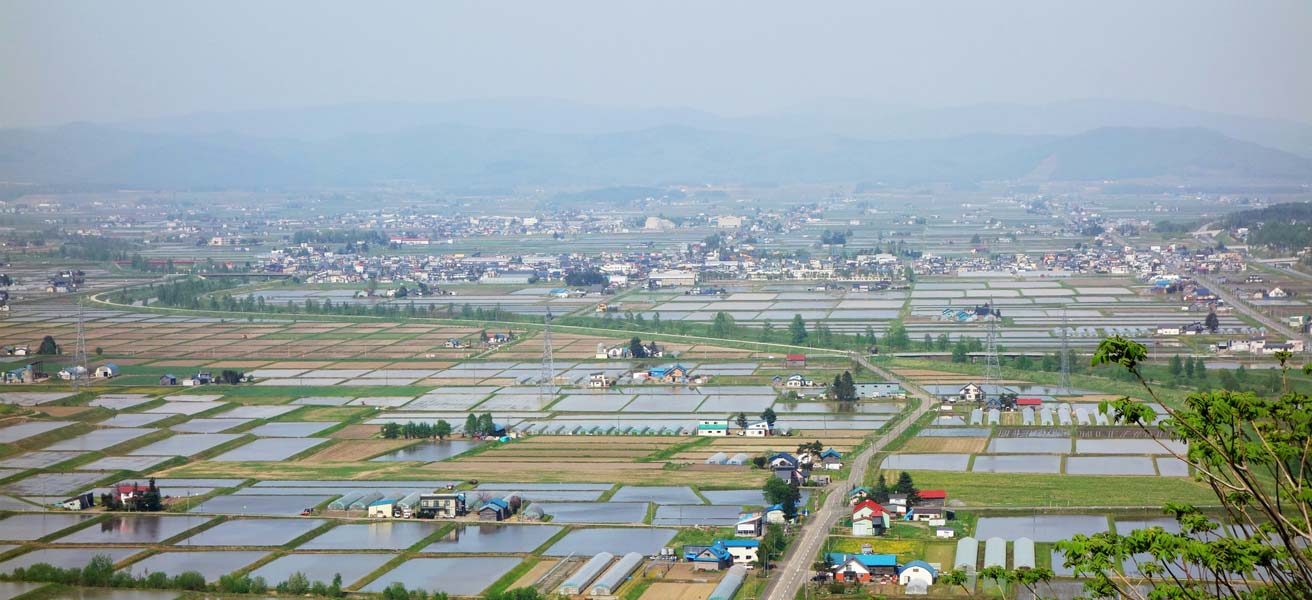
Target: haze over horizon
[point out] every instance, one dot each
(78, 61)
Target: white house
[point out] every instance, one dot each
(757, 429)
(713, 428)
(970, 393)
(106, 371)
(916, 571)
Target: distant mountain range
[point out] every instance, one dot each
(544, 142)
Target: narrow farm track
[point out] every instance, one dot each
(795, 571)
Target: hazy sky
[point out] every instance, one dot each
(63, 61)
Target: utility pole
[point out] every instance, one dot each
(1065, 355)
(547, 385)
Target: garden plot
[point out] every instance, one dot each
(38, 460)
(681, 515)
(134, 529)
(211, 564)
(926, 462)
(241, 532)
(493, 539)
(203, 425)
(185, 408)
(657, 494)
(1129, 446)
(457, 576)
(1017, 463)
(125, 463)
(1040, 528)
(186, 444)
(65, 558)
(258, 412)
(270, 449)
(322, 567)
(1109, 465)
(262, 505)
(387, 535)
(428, 451)
(132, 420)
(22, 431)
(23, 528)
(291, 429)
(52, 484)
(594, 512)
(618, 541)
(1034, 445)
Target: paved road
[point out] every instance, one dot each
(795, 571)
(1272, 325)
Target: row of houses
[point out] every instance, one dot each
(720, 428)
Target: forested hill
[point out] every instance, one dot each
(1281, 227)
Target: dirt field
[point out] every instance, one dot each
(662, 590)
(355, 432)
(970, 445)
(356, 450)
(63, 411)
(534, 574)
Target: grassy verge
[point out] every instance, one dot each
(512, 576)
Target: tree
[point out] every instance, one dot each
(636, 349)
(905, 485)
(897, 337)
(722, 326)
(231, 377)
(767, 331)
(48, 346)
(1211, 322)
(485, 424)
(471, 425)
(1177, 367)
(442, 429)
(769, 417)
(881, 490)
(1189, 368)
(741, 420)
(797, 329)
(1252, 452)
(959, 352)
(1200, 370)
(99, 352)
(783, 493)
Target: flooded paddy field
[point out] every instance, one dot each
(322, 566)
(243, 504)
(270, 449)
(253, 532)
(595, 512)
(27, 527)
(211, 564)
(617, 541)
(493, 539)
(134, 529)
(386, 535)
(67, 558)
(460, 576)
(1040, 528)
(428, 451)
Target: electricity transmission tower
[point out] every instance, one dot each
(1065, 382)
(547, 387)
(80, 353)
(992, 369)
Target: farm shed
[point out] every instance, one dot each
(382, 508)
(1022, 553)
(738, 459)
(976, 416)
(717, 459)
(967, 554)
(1082, 415)
(995, 416)
(1045, 417)
(995, 553)
(729, 585)
(585, 574)
(615, 576)
(1027, 416)
(346, 500)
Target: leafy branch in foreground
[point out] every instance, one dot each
(1254, 454)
